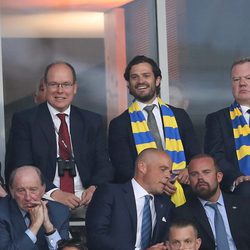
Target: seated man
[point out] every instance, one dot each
(26, 221)
(223, 220)
(183, 234)
(135, 214)
(71, 244)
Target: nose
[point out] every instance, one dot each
(59, 88)
(242, 81)
(27, 196)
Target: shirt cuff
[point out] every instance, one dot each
(47, 195)
(31, 235)
(52, 240)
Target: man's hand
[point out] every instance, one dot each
(241, 179)
(183, 176)
(3, 193)
(159, 246)
(36, 216)
(87, 195)
(66, 198)
(48, 226)
(169, 188)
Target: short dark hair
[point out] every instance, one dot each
(143, 59)
(200, 156)
(55, 63)
(70, 243)
(13, 175)
(183, 222)
(240, 60)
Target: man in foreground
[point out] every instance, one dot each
(133, 215)
(26, 221)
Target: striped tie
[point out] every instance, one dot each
(146, 228)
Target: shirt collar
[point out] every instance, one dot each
(220, 201)
(244, 109)
(54, 112)
(139, 191)
(143, 105)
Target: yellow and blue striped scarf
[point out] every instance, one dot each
(241, 132)
(174, 148)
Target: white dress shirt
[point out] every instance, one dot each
(246, 115)
(140, 193)
(210, 215)
(57, 122)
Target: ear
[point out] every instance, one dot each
(142, 167)
(158, 81)
(75, 87)
(198, 243)
(219, 176)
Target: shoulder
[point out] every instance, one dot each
(85, 114)
(57, 208)
(121, 118)
(219, 113)
(5, 205)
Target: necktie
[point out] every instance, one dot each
(66, 181)
(153, 126)
(220, 230)
(27, 219)
(146, 228)
(248, 111)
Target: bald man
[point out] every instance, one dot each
(115, 216)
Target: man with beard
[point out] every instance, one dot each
(223, 220)
(150, 123)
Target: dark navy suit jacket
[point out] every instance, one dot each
(111, 219)
(122, 148)
(13, 227)
(238, 214)
(32, 141)
(219, 142)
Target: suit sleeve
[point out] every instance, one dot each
(121, 153)
(98, 220)
(215, 146)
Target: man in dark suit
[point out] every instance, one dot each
(205, 178)
(27, 222)
(220, 141)
(114, 217)
(35, 138)
(144, 77)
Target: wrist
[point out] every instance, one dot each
(50, 231)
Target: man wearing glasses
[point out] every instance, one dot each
(65, 142)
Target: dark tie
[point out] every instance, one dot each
(220, 230)
(153, 125)
(66, 181)
(27, 219)
(146, 227)
(248, 111)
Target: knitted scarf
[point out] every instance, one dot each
(174, 148)
(241, 132)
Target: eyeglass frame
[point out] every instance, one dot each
(56, 85)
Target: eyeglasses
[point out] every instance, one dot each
(55, 85)
(237, 79)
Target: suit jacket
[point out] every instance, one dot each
(238, 215)
(219, 142)
(33, 141)
(111, 219)
(122, 148)
(13, 227)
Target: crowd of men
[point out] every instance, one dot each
(153, 188)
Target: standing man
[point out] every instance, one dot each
(26, 221)
(228, 134)
(223, 220)
(65, 142)
(150, 123)
(132, 215)
(183, 234)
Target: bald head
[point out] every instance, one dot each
(152, 170)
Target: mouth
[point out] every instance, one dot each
(141, 86)
(59, 98)
(201, 185)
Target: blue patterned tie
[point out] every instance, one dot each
(146, 227)
(220, 230)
